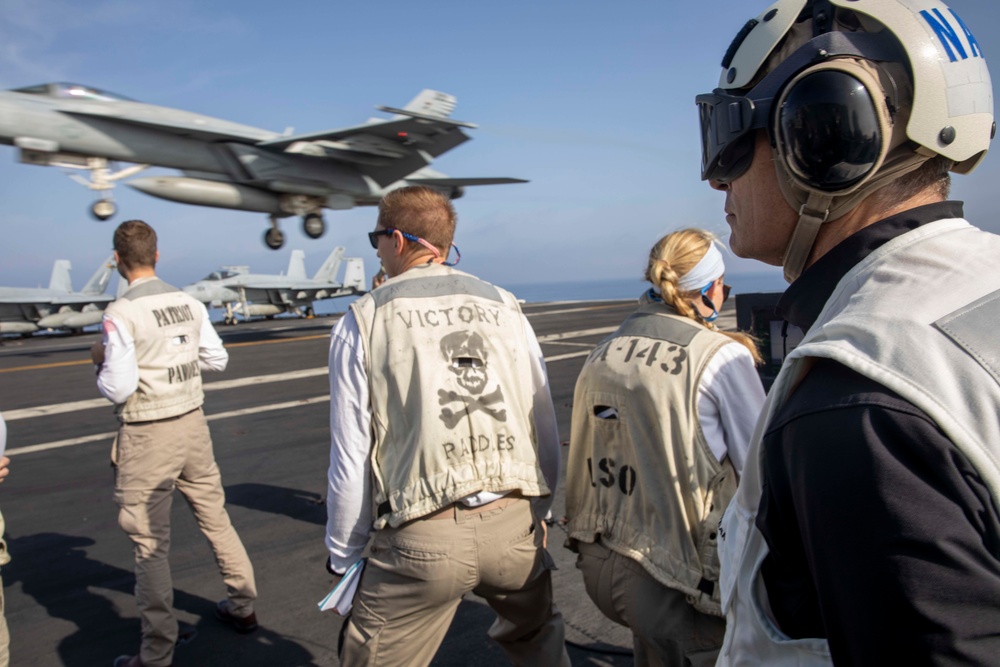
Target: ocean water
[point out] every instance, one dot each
(585, 290)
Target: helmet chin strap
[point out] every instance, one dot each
(820, 207)
(812, 215)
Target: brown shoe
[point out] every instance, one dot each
(243, 624)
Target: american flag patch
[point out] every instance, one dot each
(108, 326)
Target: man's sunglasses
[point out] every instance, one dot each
(373, 236)
(389, 231)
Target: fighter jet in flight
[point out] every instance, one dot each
(25, 310)
(249, 294)
(233, 166)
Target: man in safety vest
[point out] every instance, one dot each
(865, 529)
(157, 341)
(444, 452)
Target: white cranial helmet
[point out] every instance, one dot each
(852, 94)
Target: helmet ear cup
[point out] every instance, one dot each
(832, 127)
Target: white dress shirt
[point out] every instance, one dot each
(730, 398)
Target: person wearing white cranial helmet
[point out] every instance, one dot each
(865, 529)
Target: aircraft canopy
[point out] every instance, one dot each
(222, 275)
(72, 91)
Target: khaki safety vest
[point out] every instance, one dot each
(641, 477)
(918, 315)
(451, 392)
(166, 326)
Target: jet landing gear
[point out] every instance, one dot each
(273, 237)
(102, 180)
(103, 209)
(313, 225)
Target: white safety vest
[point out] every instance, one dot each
(918, 315)
(165, 324)
(451, 392)
(641, 475)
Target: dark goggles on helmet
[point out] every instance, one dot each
(729, 122)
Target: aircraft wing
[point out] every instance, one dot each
(464, 182)
(421, 126)
(403, 131)
(80, 299)
(184, 125)
(73, 299)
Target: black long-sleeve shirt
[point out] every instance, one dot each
(883, 538)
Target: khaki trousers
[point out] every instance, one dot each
(151, 460)
(666, 630)
(417, 574)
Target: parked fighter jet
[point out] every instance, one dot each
(227, 165)
(26, 310)
(249, 294)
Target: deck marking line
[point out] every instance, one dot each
(570, 310)
(568, 355)
(60, 408)
(577, 334)
(74, 406)
(58, 444)
(57, 364)
(81, 362)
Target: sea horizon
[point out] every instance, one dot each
(614, 289)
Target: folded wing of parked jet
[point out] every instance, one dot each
(254, 295)
(26, 310)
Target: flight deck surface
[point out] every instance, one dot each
(69, 598)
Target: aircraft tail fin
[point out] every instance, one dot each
(328, 272)
(60, 281)
(431, 103)
(297, 266)
(354, 274)
(99, 281)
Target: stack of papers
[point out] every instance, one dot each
(341, 598)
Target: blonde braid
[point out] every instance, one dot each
(674, 256)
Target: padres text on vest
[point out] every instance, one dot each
(451, 392)
(641, 476)
(166, 326)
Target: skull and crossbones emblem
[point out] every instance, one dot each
(466, 355)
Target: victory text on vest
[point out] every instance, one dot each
(435, 317)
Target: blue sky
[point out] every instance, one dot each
(591, 101)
